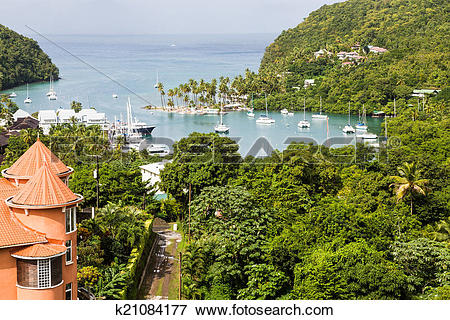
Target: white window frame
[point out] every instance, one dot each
(68, 258)
(44, 265)
(70, 289)
(71, 214)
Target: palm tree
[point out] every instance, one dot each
(409, 183)
(161, 90)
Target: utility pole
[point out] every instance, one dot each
(97, 178)
(179, 276)
(189, 218)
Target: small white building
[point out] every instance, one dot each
(20, 114)
(321, 53)
(308, 83)
(377, 50)
(66, 115)
(88, 117)
(151, 174)
(47, 118)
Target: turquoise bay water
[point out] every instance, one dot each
(133, 62)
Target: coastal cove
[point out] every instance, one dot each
(134, 62)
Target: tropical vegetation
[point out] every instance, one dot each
(22, 60)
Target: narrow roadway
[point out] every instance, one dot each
(161, 267)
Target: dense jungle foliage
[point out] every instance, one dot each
(22, 60)
(318, 223)
(416, 34)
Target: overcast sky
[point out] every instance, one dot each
(155, 17)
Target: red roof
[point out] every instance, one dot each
(33, 159)
(7, 189)
(12, 232)
(44, 189)
(40, 250)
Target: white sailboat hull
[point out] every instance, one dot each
(320, 116)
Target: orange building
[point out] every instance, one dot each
(38, 237)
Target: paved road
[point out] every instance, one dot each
(160, 267)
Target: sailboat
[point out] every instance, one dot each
(304, 123)
(348, 128)
(320, 116)
(362, 124)
(250, 113)
(265, 119)
(51, 94)
(28, 99)
(157, 80)
(221, 128)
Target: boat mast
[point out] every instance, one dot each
(349, 113)
(320, 105)
(129, 116)
(304, 108)
(267, 113)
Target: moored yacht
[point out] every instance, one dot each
(284, 111)
(304, 123)
(133, 129)
(28, 99)
(13, 95)
(264, 118)
(320, 116)
(348, 128)
(250, 113)
(362, 123)
(220, 127)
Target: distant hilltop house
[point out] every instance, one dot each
(356, 46)
(349, 55)
(308, 83)
(321, 53)
(377, 50)
(348, 63)
(88, 117)
(420, 93)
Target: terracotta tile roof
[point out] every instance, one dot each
(44, 189)
(7, 189)
(40, 250)
(33, 159)
(12, 232)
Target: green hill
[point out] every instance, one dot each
(416, 34)
(22, 60)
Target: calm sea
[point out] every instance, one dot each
(92, 68)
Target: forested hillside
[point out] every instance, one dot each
(416, 34)
(22, 60)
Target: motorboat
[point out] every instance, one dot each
(284, 111)
(13, 95)
(115, 96)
